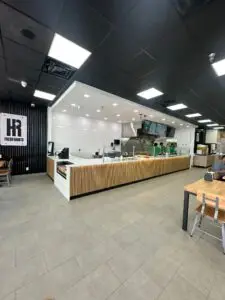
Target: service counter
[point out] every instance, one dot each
(84, 176)
(204, 161)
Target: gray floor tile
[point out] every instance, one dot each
(53, 283)
(10, 297)
(78, 291)
(102, 282)
(138, 286)
(92, 258)
(160, 269)
(124, 293)
(145, 287)
(126, 236)
(199, 272)
(124, 265)
(16, 277)
(135, 229)
(179, 288)
(217, 291)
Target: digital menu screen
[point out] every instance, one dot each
(161, 129)
(149, 127)
(153, 128)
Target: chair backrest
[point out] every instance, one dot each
(211, 200)
(10, 165)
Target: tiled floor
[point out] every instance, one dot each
(125, 243)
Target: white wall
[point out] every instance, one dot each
(86, 134)
(185, 138)
(130, 129)
(211, 136)
(49, 125)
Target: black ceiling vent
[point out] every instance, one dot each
(56, 68)
(186, 7)
(28, 34)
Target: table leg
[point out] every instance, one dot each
(185, 211)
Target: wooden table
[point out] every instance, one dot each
(215, 187)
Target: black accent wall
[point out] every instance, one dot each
(34, 154)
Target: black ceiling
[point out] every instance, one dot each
(135, 44)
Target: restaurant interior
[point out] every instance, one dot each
(112, 150)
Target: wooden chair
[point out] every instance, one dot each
(6, 174)
(209, 207)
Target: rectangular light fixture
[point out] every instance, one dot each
(150, 93)
(205, 121)
(220, 127)
(193, 115)
(68, 52)
(211, 125)
(177, 106)
(44, 95)
(219, 67)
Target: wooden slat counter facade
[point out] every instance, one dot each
(50, 167)
(87, 179)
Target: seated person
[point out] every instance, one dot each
(219, 168)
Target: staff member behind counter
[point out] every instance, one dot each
(162, 148)
(173, 149)
(155, 150)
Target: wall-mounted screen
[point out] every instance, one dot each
(170, 132)
(149, 127)
(161, 130)
(153, 128)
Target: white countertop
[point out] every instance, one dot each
(78, 161)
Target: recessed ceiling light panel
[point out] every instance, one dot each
(219, 67)
(44, 95)
(220, 127)
(86, 96)
(205, 121)
(193, 115)
(115, 104)
(211, 125)
(150, 93)
(68, 52)
(177, 106)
